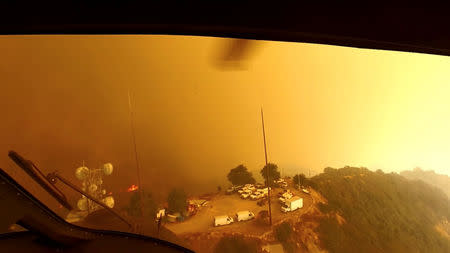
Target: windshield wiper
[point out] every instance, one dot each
(40, 178)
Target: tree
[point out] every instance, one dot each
(263, 217)
(232, 244)
(329, 170)
(283, 232)
(274, 174)
(177, 201)
(299, 179)
(240, 176)
(149, 206)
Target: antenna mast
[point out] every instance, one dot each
(267, 169)
(140, 189)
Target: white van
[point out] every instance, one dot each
(222, 220)
(245, 215)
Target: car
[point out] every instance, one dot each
(245, 195)
(256, 196)
(230, 190)
(259, 185)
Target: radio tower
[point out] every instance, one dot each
(267, 170)
(140, 189)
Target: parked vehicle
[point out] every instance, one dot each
(230, 190)
(292, 204)
(259, 185)
(222, 220)
(264, 190)
(245, 215)
(285, 196)
(245, 195)
(256, 196)
(305, 191)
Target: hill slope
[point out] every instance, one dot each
(430, 177)
(376, 212)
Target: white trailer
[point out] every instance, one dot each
(222, 220)
(292, 204)
(245, 215)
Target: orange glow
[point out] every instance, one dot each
(132, 188)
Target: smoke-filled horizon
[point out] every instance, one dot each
(64, 101)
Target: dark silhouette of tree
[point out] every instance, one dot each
(177, 201)
(234, 244)
(240, 176)
(283, 232)
(149, 207)
(299, 179)
(274, 174)
(263, 217)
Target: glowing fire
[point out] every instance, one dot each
(132, 188)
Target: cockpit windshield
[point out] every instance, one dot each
(194, 139)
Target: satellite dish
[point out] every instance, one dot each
(93, 188)
(82, 173)
(109, 201)
(82, 204)
(107, 168)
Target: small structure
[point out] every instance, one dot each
(273, 248)
(161, 213)
(174, 217)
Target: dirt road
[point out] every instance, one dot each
(222, 204)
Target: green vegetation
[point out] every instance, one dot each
(274, 174)
(240, 176)
(299, 179)
(177, 201)
(233, 244)
(283, 233)
(134, 206)
(430, 177)
(382, 212)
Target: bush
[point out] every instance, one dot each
(383, 212)
(240, 176)
(149, 206)
(283, 232)
(177, 201)
(234, 244)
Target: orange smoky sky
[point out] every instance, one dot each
(64, 100)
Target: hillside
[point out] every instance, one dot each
(430, 177)
(377, 212)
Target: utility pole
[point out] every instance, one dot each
(140, 187)
(267, 168)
